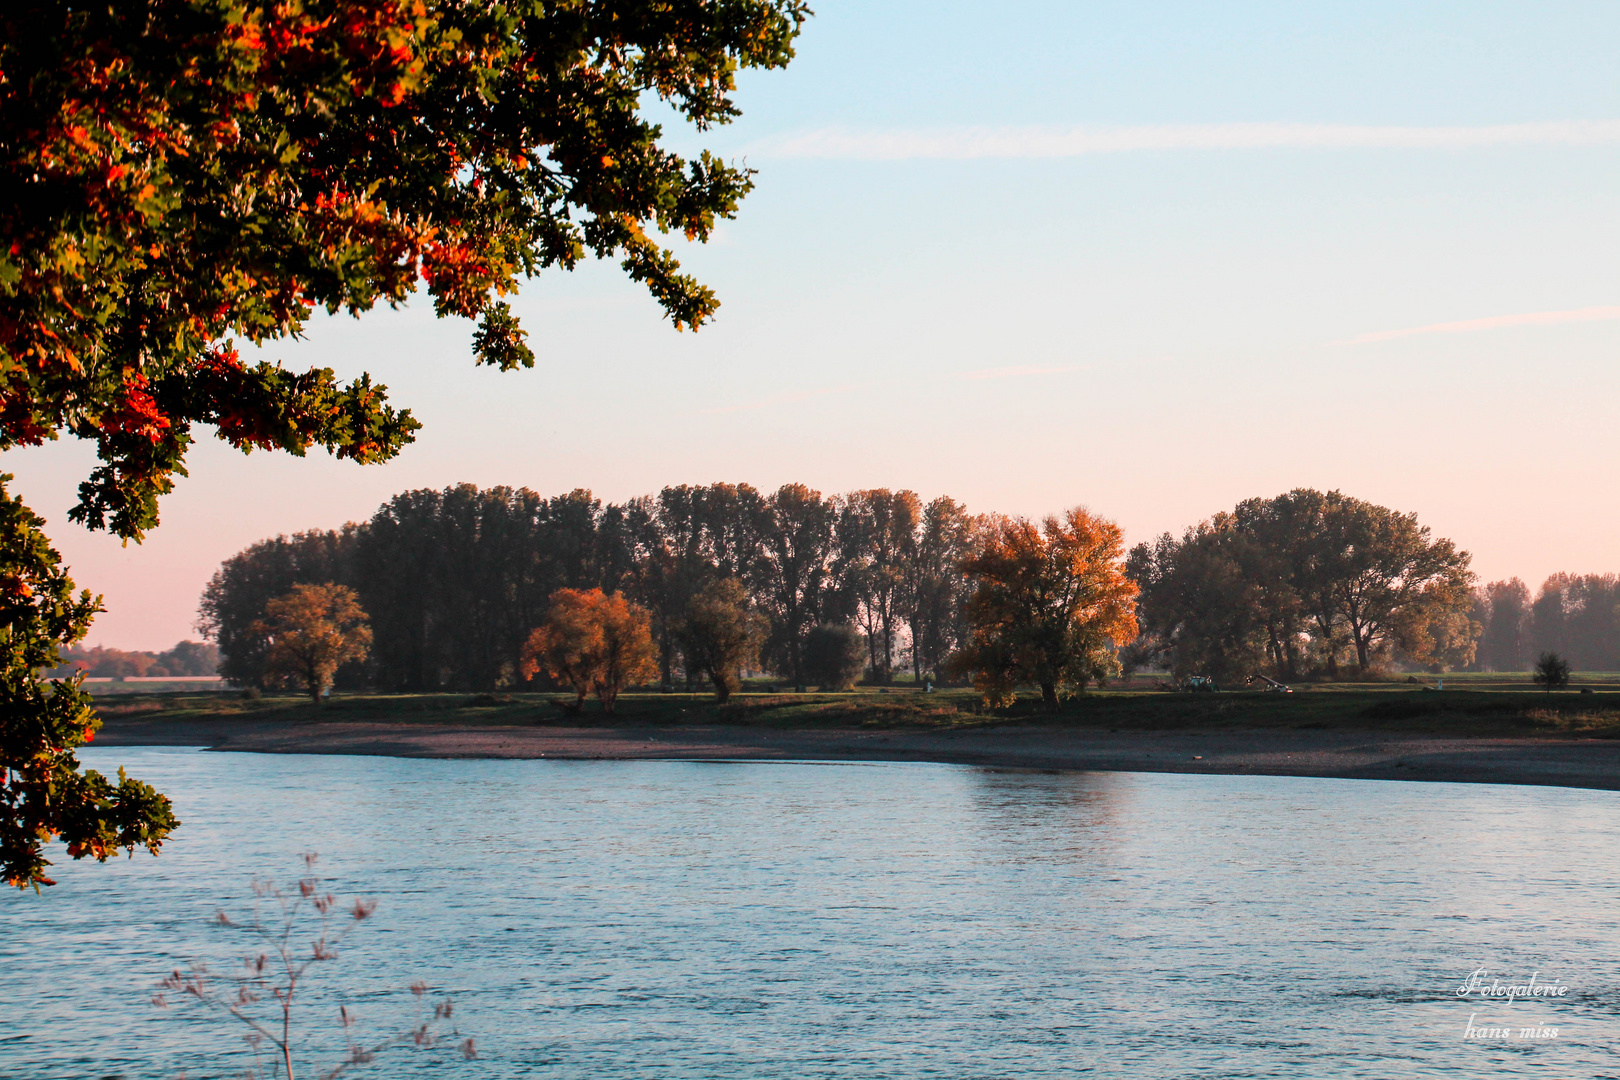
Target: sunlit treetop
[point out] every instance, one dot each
(178, 175)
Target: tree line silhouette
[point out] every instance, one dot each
(186, 658)
(1576, 616)
(455, 581)
(1304, 585)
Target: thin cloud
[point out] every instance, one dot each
(1468, 326)
(1061, 142)
(1010, 372)
(780, 399)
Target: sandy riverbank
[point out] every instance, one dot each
(1382, 755)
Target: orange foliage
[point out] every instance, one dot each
(312, 631)
(592, 641)
(1050, 603)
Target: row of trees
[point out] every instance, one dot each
(186, 658)
(1311, 584)
(455, 581)
(592, 642)
(1576, 616)
(1048, 605)
(1307, 584)
(1023, 603)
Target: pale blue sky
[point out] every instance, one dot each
(1156, 333)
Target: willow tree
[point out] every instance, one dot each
(178, 176)
(720, 634)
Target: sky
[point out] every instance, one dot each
(1153, 258)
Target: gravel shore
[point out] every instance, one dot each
(1563, 762)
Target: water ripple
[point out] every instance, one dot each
(685, 920)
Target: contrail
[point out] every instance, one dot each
(1533, 318)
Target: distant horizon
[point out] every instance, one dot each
(1132, 537)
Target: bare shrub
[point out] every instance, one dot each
(262, 993)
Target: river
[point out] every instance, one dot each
(657, 919)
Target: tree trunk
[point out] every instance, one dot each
(1326, 627)
(888, 650)
(1049, 696)
(1290, 651)
(1274, 648)
(312, 680)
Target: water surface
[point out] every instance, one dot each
(685, 919)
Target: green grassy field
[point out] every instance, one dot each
(1491, 705)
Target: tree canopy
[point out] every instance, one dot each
(43, 795)
(592, 641)
(1301, 582)
(720, 634)
(1551, 671)
(177, 174)
(181, 176)
(312, 631)
(834, 656)
(456, 580)
(1050, 605)
(233, 606)
(1502, 609)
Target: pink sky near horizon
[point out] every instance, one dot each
(833, 440)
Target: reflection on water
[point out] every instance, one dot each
(669, 919)
(1049, 814)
